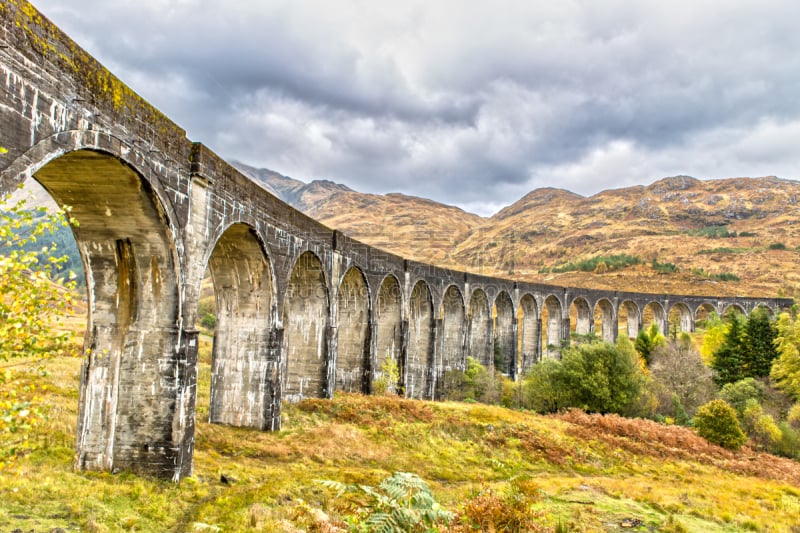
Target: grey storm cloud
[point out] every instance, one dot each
(468, 103)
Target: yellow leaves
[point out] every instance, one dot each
(30, 302)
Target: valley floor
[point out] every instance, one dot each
(574, 472)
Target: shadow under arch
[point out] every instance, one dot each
(418, 376)
(528, 324)
(504, 338)
(605, 321)
(679, 319)
(580, 317)
(352, 347)
(480, 328)
(629, 319)
(244, 355)
(305, 340)
(136, 355)
(551, 327)
(389, 328)
(452, 350)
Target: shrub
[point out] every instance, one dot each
(759, 426)
(739, 393)
(664, 268)
(386, 382)
(510, 511)
(595, 376)
(777, 246)
(716, 422)
(612, 262)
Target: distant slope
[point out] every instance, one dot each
(413, 227)
(682, 221)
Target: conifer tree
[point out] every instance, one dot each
(759, 345)
(729, 361)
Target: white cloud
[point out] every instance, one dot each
(468, 103)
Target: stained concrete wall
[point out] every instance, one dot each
(504, 335)
(156, 210)
(240, 363)
(529, 334)
(388, 325)
(453, 322)
(418, 369)
(352, 363)
(480, 329)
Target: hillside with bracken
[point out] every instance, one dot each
(737, 236)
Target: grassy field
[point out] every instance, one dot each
(573, 472)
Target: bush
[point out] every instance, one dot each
(595, 376)
(739, 393)
(386, 382)
(760, 427)
(716, 422)
(512, 511)
(777, 246)
(611, 262)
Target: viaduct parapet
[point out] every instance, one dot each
(302, 310)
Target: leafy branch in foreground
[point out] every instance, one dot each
(403, 502)
(32, 304)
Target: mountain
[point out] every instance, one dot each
(728, 237)
(415, 228)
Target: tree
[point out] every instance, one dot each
(717, 423)
(32, 303)
(648, 340)
(716, 330)
(729, 361)
(786, 368)
(594, 376)
(759, 346)
(681, 380)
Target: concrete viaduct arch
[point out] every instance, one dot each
(303, 310)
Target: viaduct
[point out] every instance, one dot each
(302, 310)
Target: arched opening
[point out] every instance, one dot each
(653, 313)
(504, 341)
(420, 343)
(604, 321)
(528, 320)
(551, 327)
(580, 317)
(628, 319)
(389, 331)
(480, 328)
(241, 364)
(305, 320)
(702, 314)
(680, 319)
(766, 309)
(452, 357)
(135, 361)
(353, 327)
(732, 308)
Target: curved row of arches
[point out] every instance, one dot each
(292, 321)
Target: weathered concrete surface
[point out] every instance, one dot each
(302, 310)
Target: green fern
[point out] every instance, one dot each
(401, 503)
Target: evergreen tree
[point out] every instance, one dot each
(759, 345)
(729, 361)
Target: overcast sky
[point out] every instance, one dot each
(465, 102)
